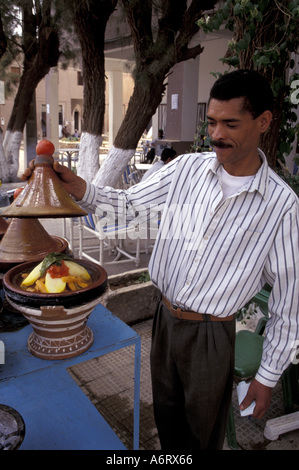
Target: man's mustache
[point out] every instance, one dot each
(220, 144)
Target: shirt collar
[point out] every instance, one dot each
(259, 181)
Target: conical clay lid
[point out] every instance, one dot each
(26, 240)
(43, 196)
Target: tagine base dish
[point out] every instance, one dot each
(59, 321)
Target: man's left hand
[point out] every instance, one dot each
(262, 396)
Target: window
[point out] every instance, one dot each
(79, 78)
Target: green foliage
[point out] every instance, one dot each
(202, 142)
(291, 180)
(19, 42)
(265, 38)
(144, 277)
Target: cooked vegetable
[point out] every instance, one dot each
(50, 259)
(41, 286)
(56, 274)
(54, 285)
(33, 276)
(76, 269)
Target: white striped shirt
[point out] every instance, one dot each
(220, 253)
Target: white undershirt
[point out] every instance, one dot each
(231, 184)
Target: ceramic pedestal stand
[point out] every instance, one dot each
(58, 332)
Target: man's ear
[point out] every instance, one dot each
(265, 120)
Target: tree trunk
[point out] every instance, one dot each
(142, 105)
(88, 164)
(90, 19)
(3, 41)
(113, 167)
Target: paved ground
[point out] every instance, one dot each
(108, 381)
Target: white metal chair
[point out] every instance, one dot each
(96, 238)
(69, 233)
(130, 176)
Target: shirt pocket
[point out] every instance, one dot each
(243, 248)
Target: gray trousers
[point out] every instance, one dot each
(192, 366)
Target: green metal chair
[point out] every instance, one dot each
(248, 354)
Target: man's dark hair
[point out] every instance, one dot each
(256, 90)
(168, 153)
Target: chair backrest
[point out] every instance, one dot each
(261, 299)
(131, 175)
(126, 174)
(89, 222)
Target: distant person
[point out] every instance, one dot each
(156, 147)
(167, 156)
(65, 132)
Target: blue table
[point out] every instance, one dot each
(57, 414)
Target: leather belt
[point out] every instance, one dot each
(190, 315)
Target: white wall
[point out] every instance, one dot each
(214, 48)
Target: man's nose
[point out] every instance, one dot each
(218, 132)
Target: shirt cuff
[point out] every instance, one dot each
(87, 201)
(267, 377)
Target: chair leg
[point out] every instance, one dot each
(137, 262)
(101, 252)
(231, 430)
(80, 239)
(71, 234)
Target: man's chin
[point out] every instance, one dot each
(222, 153)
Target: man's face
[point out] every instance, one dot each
(235, 135)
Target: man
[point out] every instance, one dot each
(229, 225)
(166, 156)
(156, 147)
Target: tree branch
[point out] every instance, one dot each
(190, 53)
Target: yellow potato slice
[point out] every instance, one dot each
(76, 269)
(54, 285)
(32, 276)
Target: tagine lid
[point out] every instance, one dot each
(44, 195)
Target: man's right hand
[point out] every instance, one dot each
(74, 185)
